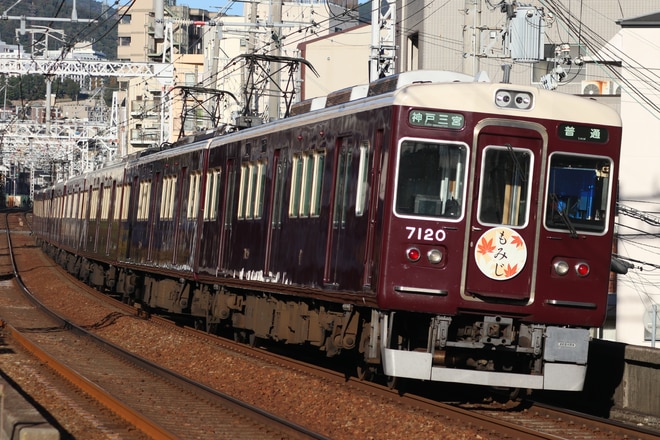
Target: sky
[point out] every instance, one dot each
(213, 5)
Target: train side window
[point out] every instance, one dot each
(362, 184)
(94, 204)
(143, 200)
(105, 203)
(167, 198)
(311, 184)
(126, 197)
(243, 190)
(578, 191)
(229, 200)
(67, 204)
(252, 190)
(76, 197)
(193, 195)
(431, 179)
(82, 205)
(341, 188)
(505, 186)
(296, 185)
(212, 195)
(259, 189)
(317, 183)
(279, 193)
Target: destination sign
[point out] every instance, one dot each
(425, 118)
(583, 133)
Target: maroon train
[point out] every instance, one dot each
(443, 229)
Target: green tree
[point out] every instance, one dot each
(66, 88)
(26, 88)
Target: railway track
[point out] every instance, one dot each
(521, 421)
(159, 403)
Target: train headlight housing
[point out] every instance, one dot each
(582, 269)
(413, 254)
(523, 100)
(503, 98)
(561, 267)
(513, 99)
(434, 256)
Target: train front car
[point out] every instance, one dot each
(499, 231)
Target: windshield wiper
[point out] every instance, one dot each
(562, 215)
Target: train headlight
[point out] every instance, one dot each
(434, 256)
(523, 100)
(561, 267)
(582, 269)
(503, 98)
(413, 254)
(513, 99)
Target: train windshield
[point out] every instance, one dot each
(505, 186)
(578, 193)
(430, 179)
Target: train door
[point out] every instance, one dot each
(226, 220)
(374, 180)
(503, 225)
(338, 210)
(112, 221)
(276, 208)
(154, 193)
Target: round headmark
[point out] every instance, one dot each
(500, 253)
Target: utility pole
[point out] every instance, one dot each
(383, 39)
(472, 36)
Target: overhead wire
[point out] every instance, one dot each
(604, 54)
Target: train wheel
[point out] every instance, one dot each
(253, 340)
(241, 336)
(506, 394)
(392, 382)
(365, 371)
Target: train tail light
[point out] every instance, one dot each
(413, 254)
(582, 269)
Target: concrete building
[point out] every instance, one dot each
(639, 220)
(341, 60)
(149, 109)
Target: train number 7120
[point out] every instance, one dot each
(425, 234)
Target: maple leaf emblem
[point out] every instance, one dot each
(517, 241)
(510, 271)
(485, 246)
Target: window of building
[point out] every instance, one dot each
(412, 59)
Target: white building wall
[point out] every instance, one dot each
(639, 185)
(341, 60)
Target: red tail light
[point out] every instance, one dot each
(413, 254)
(582, 269)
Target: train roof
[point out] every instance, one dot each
(421, 88)
(441, 91)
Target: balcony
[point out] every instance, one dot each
(144, 136)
